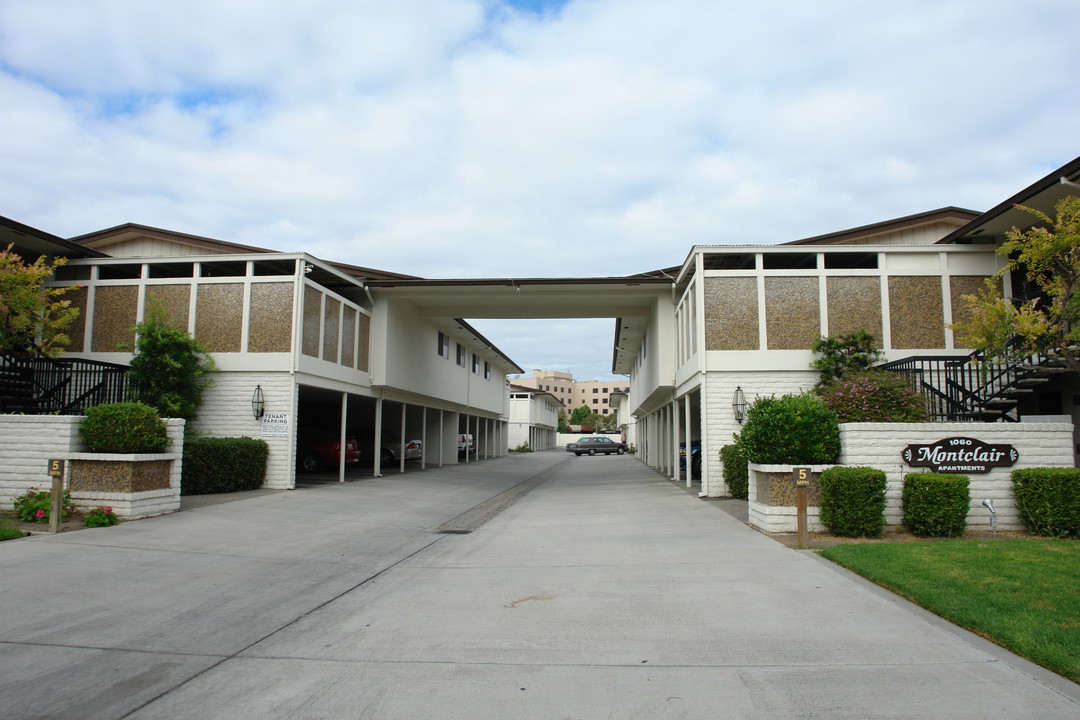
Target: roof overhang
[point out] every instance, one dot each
(31, 243)
(1042, 195)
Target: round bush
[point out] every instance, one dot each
(853, 501)
(790, 429)
(736, 474)
(123, 428)
(873, 396)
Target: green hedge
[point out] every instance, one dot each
(936, 504)
(736, 472)
(853, 501)
(123, 428)
(793, 429)
(1048, 500)
(220, 465)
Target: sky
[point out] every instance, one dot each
(483, 138)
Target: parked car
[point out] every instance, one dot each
(695, 457)
(319, 449)
(466, 441)
(391, 448)
(592, 444)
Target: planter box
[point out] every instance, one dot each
(134, 486)
(772, 498)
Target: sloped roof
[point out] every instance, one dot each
(867, 232)
(30, 243)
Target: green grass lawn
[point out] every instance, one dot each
(1022, 594)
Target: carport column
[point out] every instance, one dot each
(689, 480)
(442, 437)
(376, 468)
(341, 437)
(675, 445)
(706, 487)
(401, 459)
(423, 438)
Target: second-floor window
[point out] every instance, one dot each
(487, 370)
(461, 355)
(444, 345)
(476, 364)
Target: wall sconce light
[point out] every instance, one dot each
(738, 405)
(258, 405)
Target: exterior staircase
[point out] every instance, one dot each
(973, 388)
(42, 386)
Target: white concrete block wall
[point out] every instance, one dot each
(720, 423)
(879, 445)
(226, 412)
(28, 442)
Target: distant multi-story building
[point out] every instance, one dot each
(595, 394)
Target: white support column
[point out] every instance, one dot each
(689, 472)
(423, 438)
(341, 437)
(377, 466)
(401, 434)
(675, 434)
(442, 437)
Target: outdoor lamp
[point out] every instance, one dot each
(738, 405)
(258, 405)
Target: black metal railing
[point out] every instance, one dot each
(41, 385)
(972, 387)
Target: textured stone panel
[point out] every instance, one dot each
(330, 330)
(348, 337)
(364, 344)
(119, 476)
(731, 313)
(778, 489)
(76, 332)
(174, 299)
(792, 312)
(312, 318)
(854, 304)
(270, 324)
(915, 312)
(219, 316)
(960, 285)
(115, 308)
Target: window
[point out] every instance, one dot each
(444, 345)
(595, 390)
(460, 354)
(476, 364)
(487, 370)
(605, 411)
(604, 400)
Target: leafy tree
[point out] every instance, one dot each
(562, 420)
(841, 354)
(169, 367)
(33, 319)
(1048, 256)
(580, 416)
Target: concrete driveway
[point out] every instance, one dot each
(534, 586)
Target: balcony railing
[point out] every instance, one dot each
(42, 386)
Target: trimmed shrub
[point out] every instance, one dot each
(853, 501)
(1048, 500)
(123, 428)
(736, 472)
(936, 504)
(221, 465)
(873, 396)
(792, 429)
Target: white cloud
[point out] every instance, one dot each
(457, 138)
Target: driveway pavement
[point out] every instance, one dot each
(533, 586)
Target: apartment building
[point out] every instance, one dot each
(594, 394)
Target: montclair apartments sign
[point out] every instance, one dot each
(960, 455)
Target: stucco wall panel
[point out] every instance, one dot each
(115, 315)
(219, 316)
(854, 303)
(731, 313)
(792, 312)
(270, 318)
(915, 310)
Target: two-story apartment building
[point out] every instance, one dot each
(744, 318)
(534, 418)
(304, 335)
